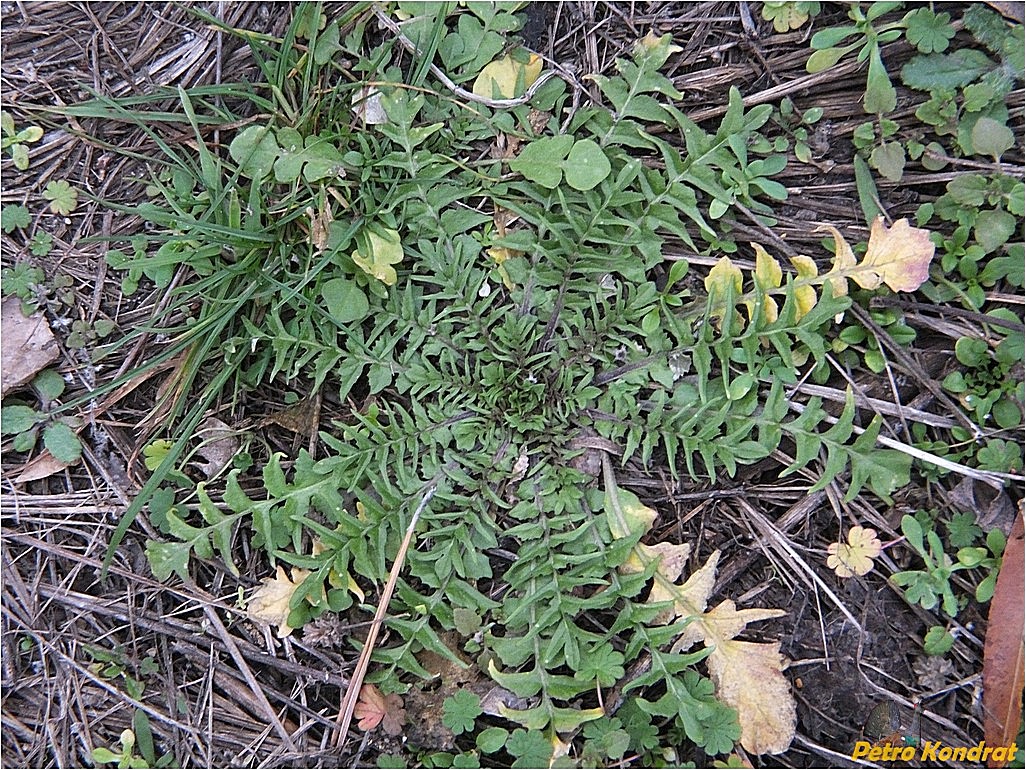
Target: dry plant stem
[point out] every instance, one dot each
(776, 540)
(345, 714)
(913, 368)
(261, 700)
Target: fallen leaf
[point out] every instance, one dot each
(368, 107)
(26, 347)
(301, 417)
(856, 556)
(219, 446)
(1003, 649)
(320, 223)
(41, 466)
(270, 601)
(373, 709)
(507, 77)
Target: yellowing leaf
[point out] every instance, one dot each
(270, 601)
(844, 261)
(725, 620)
(671, 558)
(689, 600)
(899, 256)
(724, 279)
(379, 249)
(748, 677)
(805, 295)
(507, 77)
(768, 275)
(856, 556)
(626, 515)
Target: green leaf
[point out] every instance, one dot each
(492, 739)
(12, 217)
(530, 748)
(346, 301)
(166, 558)
(866, 187)
(327, 44)
(992, 138)
(880, 94)
(460, 710)
(18, 419)
(586, 165)
(945, 71)
(314, 158)
(938, 641)
(62, 442)
(889, 159)
(62, 196)
(993, 228)
(541, 161)
(155, 452)
(48, 384)
(928, 31)
(826, 58)
(255, 150)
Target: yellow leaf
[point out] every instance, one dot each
(724, 279)
(626, 515)
(725, 621)
(749, 677)
(805, 295)
(671, 558)
(899, 256)
(844, 261)
(508, 77)
(690, 599)
(651, 41)
(856, 556)
(270, 601)
(379, 249)
(768, 275)
(500, 254)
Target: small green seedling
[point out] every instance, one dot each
(15, 140)
(26, 423)
(932, 585)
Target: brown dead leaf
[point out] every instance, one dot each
(27, 345)
(270, 601)
(1003, 675)
(41, 466)
(373, 709)
(219, 446)
(301, 417)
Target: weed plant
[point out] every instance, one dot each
(492, 324)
